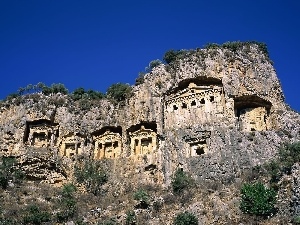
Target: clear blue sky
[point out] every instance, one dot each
(94, 43)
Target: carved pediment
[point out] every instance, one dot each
(108, 136)
(143, 132)
(193, 92)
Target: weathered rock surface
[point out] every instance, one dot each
(213, 113)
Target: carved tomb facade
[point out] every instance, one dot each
(143, 141)
(195, 103)
(108, 145)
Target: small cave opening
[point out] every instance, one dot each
(193, 103)
(202, 101)
(150, 167)
(175, 107)
(184, 105)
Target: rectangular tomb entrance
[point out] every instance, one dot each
(197, 144)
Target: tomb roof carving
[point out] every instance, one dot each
(193, 92)
(199, 81)
(141, 132)
(251, 101)
(112, 129)
(73, 137)
(146, 126)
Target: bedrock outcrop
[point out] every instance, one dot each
(213, 112)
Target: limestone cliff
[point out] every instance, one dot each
(213, 112)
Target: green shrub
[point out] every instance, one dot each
(94, 95)
(257, 199)
(78, 93)
(296, 220)
(10, 171)
(274, 170)
(130, 218)
(186, 218)
(119, 91)
(110, 221)
(34, 215)
(8, 221)
(289, 155)
(180, 181)
(91, 175)
(143, 197)
(67, 203)
(212, 46)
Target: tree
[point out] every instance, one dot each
(95, 95)
(152, 65)
(54, 89)
(78, 93)
(173, 55)
(257, 199)
(119, 91)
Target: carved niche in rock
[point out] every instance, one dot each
(194, 100)
(143, 138)
(72, 144)
(252, 113)
(41, 133)
(108, 142)
(197, 144)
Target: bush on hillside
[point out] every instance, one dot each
(257, 199)
(186, 218)
(180, 181)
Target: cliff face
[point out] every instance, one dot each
(214, 113)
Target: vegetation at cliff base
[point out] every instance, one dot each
(257, 199)
(67, 203)
(34, 215)
(91, 175)
(186, 218)
(143, 198)
(180, 181)
(9, 171)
